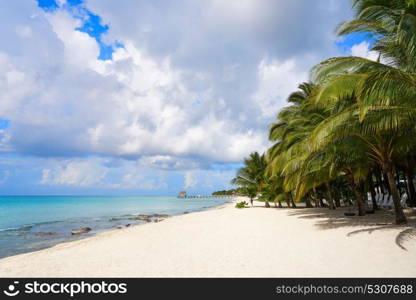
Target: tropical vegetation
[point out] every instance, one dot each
(348, 135)
(231, 192)
(242, 204)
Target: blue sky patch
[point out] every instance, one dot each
(48, 5)
(4, 124)
(344, 44)
(92, 24)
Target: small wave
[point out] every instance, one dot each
(25, 228)
(28, 227)
(17, 229)
(9, 229)
(46, 223)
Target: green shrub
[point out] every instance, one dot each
(243, 204)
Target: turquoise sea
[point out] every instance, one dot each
(29, 223)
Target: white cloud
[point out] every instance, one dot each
(140, 104)
(167, 162)
(131, 106)
(140, 182)
(276, 81)
(24, 31)
(363, 50)
(80, 50)
(100, 173)
(195, 84)
(189, 180)
(208, 179)
(76, 173)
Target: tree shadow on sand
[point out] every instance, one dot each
(379, 221)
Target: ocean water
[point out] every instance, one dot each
(24, 220)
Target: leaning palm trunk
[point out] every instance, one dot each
(359, 197)
(292, 201)
(315, 195)
(372, 192)
(411, 188)
(380, 183)
(330, 198)
(287, 199)
(357, 188)
(387, 183)
(266, 200)
(388, 169)
(308, 201)
(266, 203)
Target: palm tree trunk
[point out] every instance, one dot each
(411, 188)
(360, 200)
(372, 191)
(397, 178)
(388, 169)
(380, 182)
(280, 204)
(335, 196)
(315, 195)
(292, 201)
(266, 201)
(364, 195)
(329, 194)
(387, 182)
(308, 201)
(287, 200)
(355, 186)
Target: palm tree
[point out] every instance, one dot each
(385, 92)
(252, 175)
(291, 149)
(304, 166)
(354, 121)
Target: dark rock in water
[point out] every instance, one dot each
(148, 218)
(119, 227)
(46, 233)
(157, 220)
(141, 218)
(114, 219)
(186, 212)
(159, 216)
(128, 225)
(81, 231)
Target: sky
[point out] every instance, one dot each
(135, 97)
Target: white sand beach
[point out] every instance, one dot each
(230, 242)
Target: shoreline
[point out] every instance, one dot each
(223, 241)
(52, 238)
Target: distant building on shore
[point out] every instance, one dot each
(182, 194)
